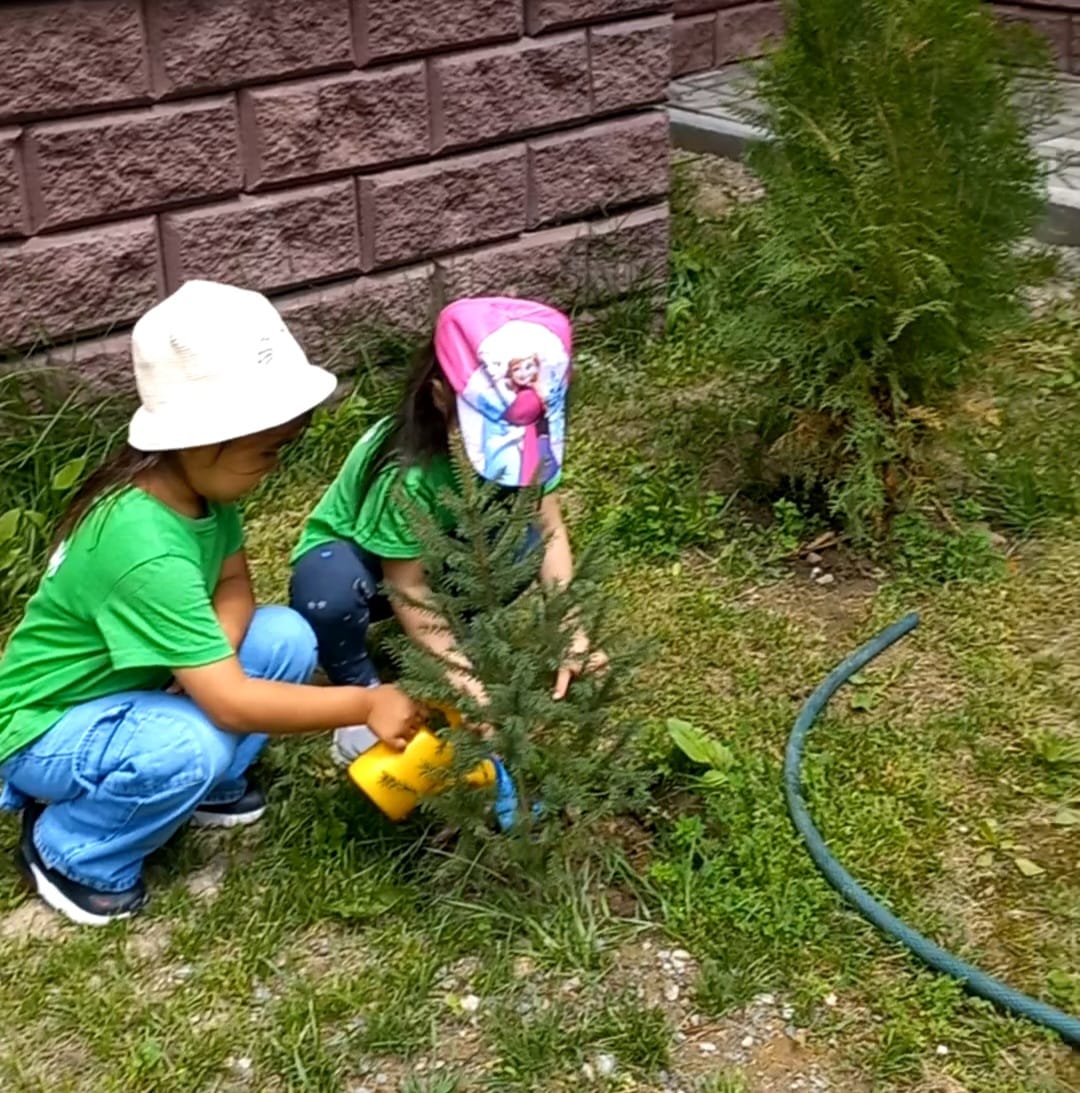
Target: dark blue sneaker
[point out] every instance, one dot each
(247, 810)
(77, 902)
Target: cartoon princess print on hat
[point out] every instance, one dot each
(530, 412)
(509, 363)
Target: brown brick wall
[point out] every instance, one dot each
(709, 33)
(353, 158)
(1059, 20)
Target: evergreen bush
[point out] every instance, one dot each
(898, 182)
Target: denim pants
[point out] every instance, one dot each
(121, 774)
(335, 587)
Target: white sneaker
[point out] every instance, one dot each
(350, 742)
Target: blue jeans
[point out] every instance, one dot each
(120, 774)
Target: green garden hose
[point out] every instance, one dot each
(973, 980)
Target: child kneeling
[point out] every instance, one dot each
(142, 682)
(497, 372)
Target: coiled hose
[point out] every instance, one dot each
(973, 980)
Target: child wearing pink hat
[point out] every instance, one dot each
(497, 372)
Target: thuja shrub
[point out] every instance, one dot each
(899, 179)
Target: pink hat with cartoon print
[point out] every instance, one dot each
(508, 361)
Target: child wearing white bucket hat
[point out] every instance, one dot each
(143, 681)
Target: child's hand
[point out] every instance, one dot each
(471, 686)
(394, 717)
(579, 661)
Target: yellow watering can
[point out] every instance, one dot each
(396, 780)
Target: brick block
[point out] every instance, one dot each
(547, 265)
(745, 32)
(628, 253)
(442, 206)
(199, 45)
(402, 28)
(330, 323)
(334, 123)
(696, 7)
(271, 242)
(544, 15)
(13, 219)
(100, 366)
(68, 56)
(631, 63)
(511, 89)
(604, 166)
(57, 285)
(693, 44)
(1053, 25)
(132, 161)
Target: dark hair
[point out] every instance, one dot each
(420, 430)
(117, 473)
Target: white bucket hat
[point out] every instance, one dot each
(214, 363)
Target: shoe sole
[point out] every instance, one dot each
(52, 897)
(220, 819)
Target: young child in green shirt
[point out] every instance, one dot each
(497, 371)
(142, 681)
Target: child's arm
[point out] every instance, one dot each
(234, 600)
(558, 564)
(427, 628)
(558, 568)
(238, 703)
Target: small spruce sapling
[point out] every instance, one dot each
(571, 760)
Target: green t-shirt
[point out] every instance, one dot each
(379, 520)
(124, 600)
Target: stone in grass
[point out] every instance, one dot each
(606, 1065)
(241, 1067)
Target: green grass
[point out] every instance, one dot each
(312, 952)
(50, 434)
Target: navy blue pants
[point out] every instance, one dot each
(335, 587)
